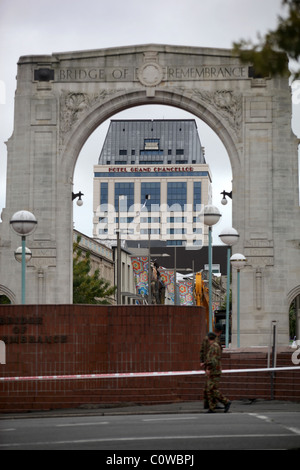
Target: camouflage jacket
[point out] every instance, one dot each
(205, 348)
(213, 359)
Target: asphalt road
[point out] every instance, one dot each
(174, 432)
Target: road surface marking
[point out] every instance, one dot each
(80, 424)
(138, 438)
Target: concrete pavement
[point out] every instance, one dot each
(238, 406)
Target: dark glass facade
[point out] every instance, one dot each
(163, 159)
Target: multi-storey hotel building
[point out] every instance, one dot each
(151, 182)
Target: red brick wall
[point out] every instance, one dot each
(286, 384)
(66, 340)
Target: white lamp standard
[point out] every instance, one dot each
(23, 223)
(119, 276)
(148, 198)
(238, 261)
(230, 237)
(18, 254)
(211, 215)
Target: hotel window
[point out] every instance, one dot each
(103, 195)
(177, 196)
(176, 231)
(197, 195)
(127, 190)
(150, 220)
(175, 242)
(151, 144)
(150, 231)
(154, 190)
(124, 220)
(176, 220)
(151, 148)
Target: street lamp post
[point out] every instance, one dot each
(230, 237)
(147, 198)
(175, 275)
(119, 277)
(211, 215)
(238, 261)
(23, 223)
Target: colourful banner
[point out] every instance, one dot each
(167, 277)
(184, 288)
(186, 296)
(140, 271)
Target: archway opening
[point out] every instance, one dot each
(216, 157)
(215, 154)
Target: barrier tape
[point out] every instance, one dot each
(137, 374)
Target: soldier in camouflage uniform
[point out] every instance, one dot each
(206, 344)
(203, 355)
(213, 373)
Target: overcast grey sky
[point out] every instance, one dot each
(43, 27)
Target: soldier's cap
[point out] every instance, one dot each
(211, 335)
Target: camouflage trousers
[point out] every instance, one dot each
(212, 394)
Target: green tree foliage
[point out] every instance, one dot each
(4, 300)
(88, 288)
(270, 56)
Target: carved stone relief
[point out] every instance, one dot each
(74, 105)
(228, 104)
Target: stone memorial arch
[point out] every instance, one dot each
(62, 98)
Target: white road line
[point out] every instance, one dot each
(170, 419)
(294, 430)
(269, 420)
(264, 418)
(154, 438)
(80, 424)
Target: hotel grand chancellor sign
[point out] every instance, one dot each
(63, 97)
